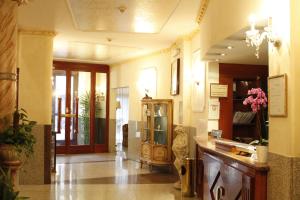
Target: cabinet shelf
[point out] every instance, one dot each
(158, 130)
(160, 116)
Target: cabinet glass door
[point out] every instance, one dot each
(160, 124)
(146, 126)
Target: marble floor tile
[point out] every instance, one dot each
(104, 177)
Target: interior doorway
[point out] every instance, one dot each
(80, 107)
(122, 116)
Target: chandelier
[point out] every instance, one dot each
(255, 37)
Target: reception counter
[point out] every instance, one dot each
(224, 175)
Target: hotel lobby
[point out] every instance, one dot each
(138, 99)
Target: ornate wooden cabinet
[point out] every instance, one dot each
(156, 132)
(223, 177)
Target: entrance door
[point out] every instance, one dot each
(80, 107)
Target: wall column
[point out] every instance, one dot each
(8, 53)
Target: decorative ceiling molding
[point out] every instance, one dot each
(37, 32)
(21, 2)
(202, 10)
(155, 53)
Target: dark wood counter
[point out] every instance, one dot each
(223, 175)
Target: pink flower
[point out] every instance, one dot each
(256, 99)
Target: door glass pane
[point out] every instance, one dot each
(160, 124)
(59, 95)
(100, 108)
(146, 122)
(80, 108)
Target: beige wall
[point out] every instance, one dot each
(35, 63)
(127, 75)
(222, 19)
(295, 62)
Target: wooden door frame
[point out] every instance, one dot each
(93, 68)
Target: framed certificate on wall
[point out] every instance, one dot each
(218, 90)
(278, 96)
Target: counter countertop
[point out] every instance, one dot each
(209, 147)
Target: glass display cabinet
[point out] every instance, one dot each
(156, 132)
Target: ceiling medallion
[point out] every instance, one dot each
(20, 2)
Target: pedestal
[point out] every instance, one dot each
(13, 167)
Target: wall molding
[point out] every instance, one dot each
(37, 32)
(202, 10)
(155, 53)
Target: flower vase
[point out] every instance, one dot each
(262, 153)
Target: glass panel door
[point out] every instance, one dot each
(80, 108)
(100, 108)
(160, 124)
(59, 81)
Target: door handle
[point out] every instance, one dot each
(59, 115)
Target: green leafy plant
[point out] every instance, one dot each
(85, 114)
(7, 191)
(19, 135)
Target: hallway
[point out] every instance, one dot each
(104, 177)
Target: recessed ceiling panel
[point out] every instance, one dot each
(89, 51)
(139, 16)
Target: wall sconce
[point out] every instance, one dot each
(255, 38)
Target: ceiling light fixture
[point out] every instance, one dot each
(229, 47)
(222, 54)
(254, 37)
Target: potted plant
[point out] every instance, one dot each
(17, 141)
(258, 100)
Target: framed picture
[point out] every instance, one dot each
(218, 90)
(175, 67)
(278, 96)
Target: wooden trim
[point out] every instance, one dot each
(74, 66)
(47, 153)
(93, 69)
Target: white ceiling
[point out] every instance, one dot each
(240, 52)
(96, 30)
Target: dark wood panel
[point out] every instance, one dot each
(47, 154)
(227, 74)
(219, 177)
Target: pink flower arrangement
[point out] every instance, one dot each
(257, 98)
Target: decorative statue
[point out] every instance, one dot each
(181, 151)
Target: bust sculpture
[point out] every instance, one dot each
(180, 149)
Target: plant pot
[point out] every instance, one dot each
(8, 153)
(262, 154)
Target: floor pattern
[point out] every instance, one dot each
(104, 177)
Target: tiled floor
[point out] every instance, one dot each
(104, 177)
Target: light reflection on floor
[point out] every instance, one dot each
(103, 177)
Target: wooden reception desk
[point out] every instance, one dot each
(223, 175)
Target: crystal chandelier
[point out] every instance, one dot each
(255, 37)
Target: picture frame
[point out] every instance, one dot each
(175, 77)
(218, 90)
(277, 93)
